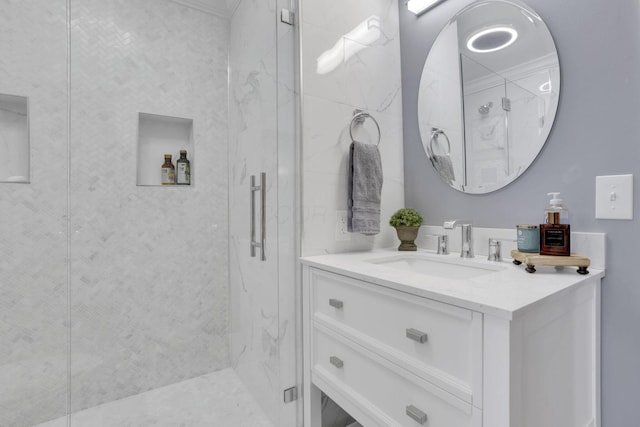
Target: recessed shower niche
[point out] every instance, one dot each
(14, 138)
(159, 135)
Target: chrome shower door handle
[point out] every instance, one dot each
(252, 214)
(263, 219)
(263, 215)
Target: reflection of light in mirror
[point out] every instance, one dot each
(420, 6)
(545, 87)
(492, 39)
(530, 17)
(361, 37)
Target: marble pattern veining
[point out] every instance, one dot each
(326, 175)
(369, 80)
(261, 139)
(215, 399)
(149, 301)
(149, 289)
(33, 230)
(254, 325)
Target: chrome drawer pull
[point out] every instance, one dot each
(335, 303)
(338, 363)
(416, 414)
(416, 335)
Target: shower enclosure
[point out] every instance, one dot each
(503, 120)
(112, 284)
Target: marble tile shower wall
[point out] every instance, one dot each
(33, 231)
(149, 291)
(370, 80)
(148, 265)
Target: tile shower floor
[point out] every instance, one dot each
(218, 399)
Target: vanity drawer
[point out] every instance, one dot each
(439, 342)
(386, 392)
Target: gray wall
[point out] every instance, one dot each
(596, 133)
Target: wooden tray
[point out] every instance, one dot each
(531, 260)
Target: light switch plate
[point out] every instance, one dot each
(614, 197)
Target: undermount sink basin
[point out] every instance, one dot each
(437, 265)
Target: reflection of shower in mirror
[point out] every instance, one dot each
(484, 109)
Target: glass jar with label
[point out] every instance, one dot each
(528, 238)
(168, 172)
(183, 173)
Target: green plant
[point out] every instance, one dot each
(406, 216)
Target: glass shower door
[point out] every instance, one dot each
(485, 125)
(526, 122)
(261, 143)
(497, 112)
(113, 286)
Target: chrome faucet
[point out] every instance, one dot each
(466, 250)
(443, 243)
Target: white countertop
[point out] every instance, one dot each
(504, 293)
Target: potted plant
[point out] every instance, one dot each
(407, 222)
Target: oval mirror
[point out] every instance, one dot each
(488, 95)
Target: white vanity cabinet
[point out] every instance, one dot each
(393, 357)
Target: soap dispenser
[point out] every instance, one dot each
(555, 233)
(556, 213)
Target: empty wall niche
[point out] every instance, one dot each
(157, 137)
(14, 138)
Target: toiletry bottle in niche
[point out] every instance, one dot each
(183, 172)
(168, 172)
(555, 233)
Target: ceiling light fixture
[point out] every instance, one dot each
(420, 6)
(492, 39)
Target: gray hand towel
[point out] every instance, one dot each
(365, 188)
(444, 166)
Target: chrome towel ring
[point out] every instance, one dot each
(434, 137)
(359, 117)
